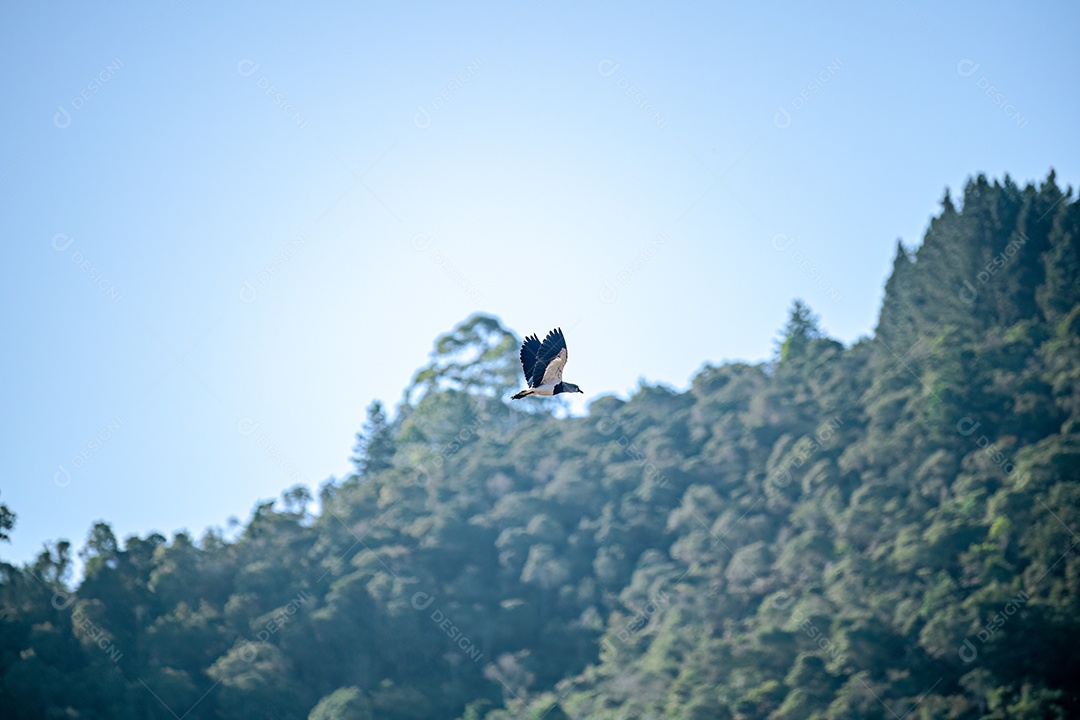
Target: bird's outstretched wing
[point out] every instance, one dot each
(529, 349)
(550, 360)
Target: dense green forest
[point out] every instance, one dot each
(882, 530)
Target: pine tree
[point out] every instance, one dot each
(802, 329)
(899, 318)
(1061, 290)
(374, 449)
(7, 523)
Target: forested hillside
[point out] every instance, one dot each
(883, 530)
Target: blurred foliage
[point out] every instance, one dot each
(888, 528)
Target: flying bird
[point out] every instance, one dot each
(543, 364)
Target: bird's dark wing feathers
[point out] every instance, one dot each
(553, 344)
(529, 349)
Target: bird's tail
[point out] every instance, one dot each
(521, 394)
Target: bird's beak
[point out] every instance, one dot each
(581, 391)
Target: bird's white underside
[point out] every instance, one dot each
(553, 372)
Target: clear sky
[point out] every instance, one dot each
(230, 228)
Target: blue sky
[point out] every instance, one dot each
(230, 228)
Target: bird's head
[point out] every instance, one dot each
(571, 387)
